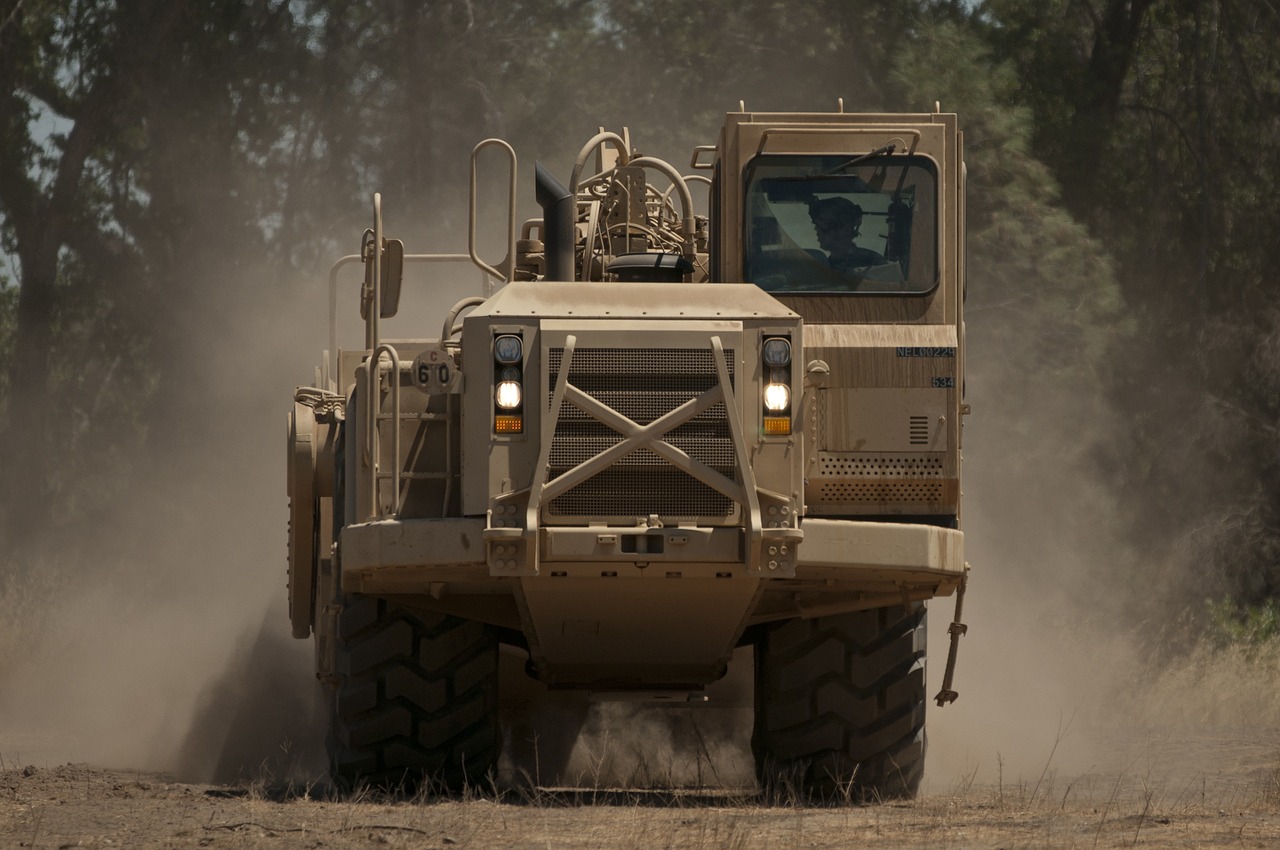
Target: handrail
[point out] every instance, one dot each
(333, 299)
(333, 316)
(374, 366)
(371, 329)
(448, 455)
(506, 267)
(695, 162)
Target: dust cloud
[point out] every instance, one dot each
(1045, 650)
(160, 639)
(165, 645)
(120, 635)
(570, 740)
(1064, 670)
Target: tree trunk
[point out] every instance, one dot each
(1114, 43)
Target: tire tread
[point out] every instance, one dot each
(416, 701)
(840, 705)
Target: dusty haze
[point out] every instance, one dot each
(165, 644)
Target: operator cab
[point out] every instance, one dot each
(822, 223)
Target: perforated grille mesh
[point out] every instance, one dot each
(705, 437)
(642, 385)
(648, 486)
(880, 478)
(623, 363)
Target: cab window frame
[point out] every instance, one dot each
(749, 248)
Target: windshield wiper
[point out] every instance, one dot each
(887, 149)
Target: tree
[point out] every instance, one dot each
(129, 211)
(48, 209)
(1044, 310)
(1157, 117)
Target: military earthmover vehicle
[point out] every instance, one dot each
(664, 436)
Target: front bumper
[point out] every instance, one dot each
(397, 555)
(665, 608)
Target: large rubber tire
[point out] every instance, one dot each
(840, 705)
(416, 705)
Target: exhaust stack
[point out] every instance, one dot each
(557, 224)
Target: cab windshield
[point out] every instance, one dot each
(841, 224)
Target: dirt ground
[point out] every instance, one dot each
(1200, 791)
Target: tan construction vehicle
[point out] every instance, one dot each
(663, 437)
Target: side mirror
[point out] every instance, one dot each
(392, 274)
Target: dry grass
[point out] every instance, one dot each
(79, 806)
(1177, 792)
(1233, 686)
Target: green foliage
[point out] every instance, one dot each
(1159, 116)
(1247, 627)
(1037, 277)
(136, 190)
(166, 163)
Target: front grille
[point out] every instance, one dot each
(642, 385)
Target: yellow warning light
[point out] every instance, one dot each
(776, 425)
(512, 424)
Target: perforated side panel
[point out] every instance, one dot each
(880, 480)
(879, 465)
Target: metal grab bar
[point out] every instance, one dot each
(373, 446)
(506, 267)
(332, 354)
(398, 475)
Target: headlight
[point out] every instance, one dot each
(777, 397)
(776, 352)
(508, 349)
(507, 395)
(508, 384)
(775, 360)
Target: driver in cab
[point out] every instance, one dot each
(838, 222)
